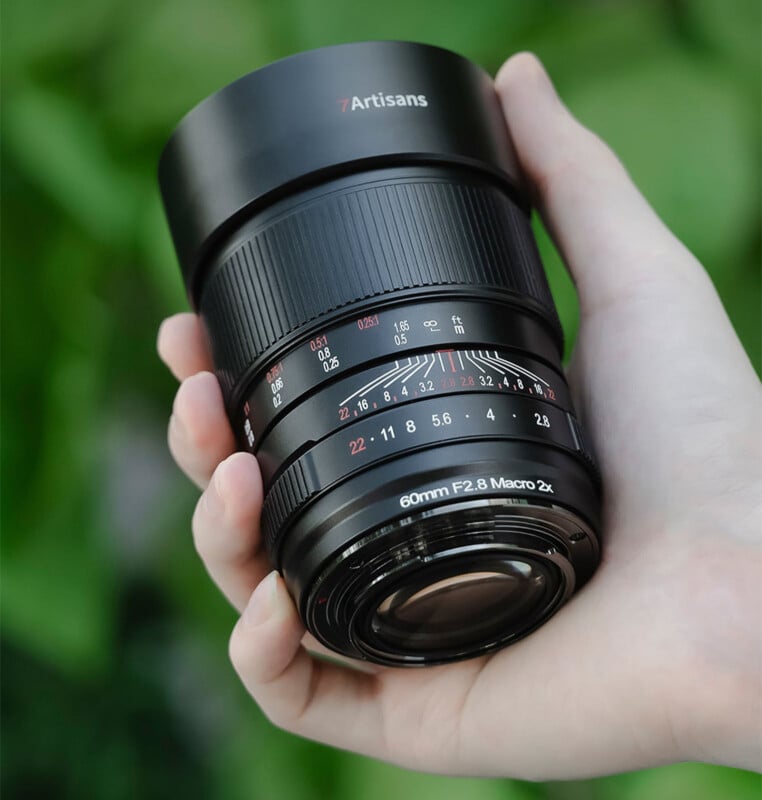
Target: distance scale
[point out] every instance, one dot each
(410, 329)
(405, 380)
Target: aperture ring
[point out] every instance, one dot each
(300, 483)
(295, 487)
(400, 229)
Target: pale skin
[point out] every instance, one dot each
(659, 658)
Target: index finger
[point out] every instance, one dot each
(182, 345)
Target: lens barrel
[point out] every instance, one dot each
(351, 230)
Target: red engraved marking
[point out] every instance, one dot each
(375, 405)
(275, 372)
(394, 398)
(355, 413)
(367, 322)
(322, 600)
(246, 408)
(452, 363)
(357, 445)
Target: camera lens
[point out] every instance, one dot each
(351, 231)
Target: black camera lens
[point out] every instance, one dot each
(351, 231)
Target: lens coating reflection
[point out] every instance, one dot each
(469, 607)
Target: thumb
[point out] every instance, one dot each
(611, 240)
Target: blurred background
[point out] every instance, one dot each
(115, 678)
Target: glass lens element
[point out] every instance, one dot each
(467, 607)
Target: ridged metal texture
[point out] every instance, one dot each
(351, 245)
(289, 493)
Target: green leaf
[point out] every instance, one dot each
(487, 34)
(177, 53)
(694, 781)
(59, 146)
(372, 780)
(57, 591)
(683, 130)
(38, 31)
(733, 29)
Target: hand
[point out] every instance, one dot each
(657, 659)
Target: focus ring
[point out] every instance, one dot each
(381, 238)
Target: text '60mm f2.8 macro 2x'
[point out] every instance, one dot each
(351, 231)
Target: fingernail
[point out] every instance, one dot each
(177, 427)
(262, 602)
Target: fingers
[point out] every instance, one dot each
(650, 316)
(612, 241)
(226, 528)
(486, 716)
(199, 434)
(226, 532)
(313, 698)
(182, 346)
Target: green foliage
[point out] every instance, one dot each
(115, 676)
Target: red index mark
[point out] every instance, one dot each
(343, 102)
(452, 363)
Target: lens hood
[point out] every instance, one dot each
(315, 116)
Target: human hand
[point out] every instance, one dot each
(658, 658)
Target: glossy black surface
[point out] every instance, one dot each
(285, 126)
